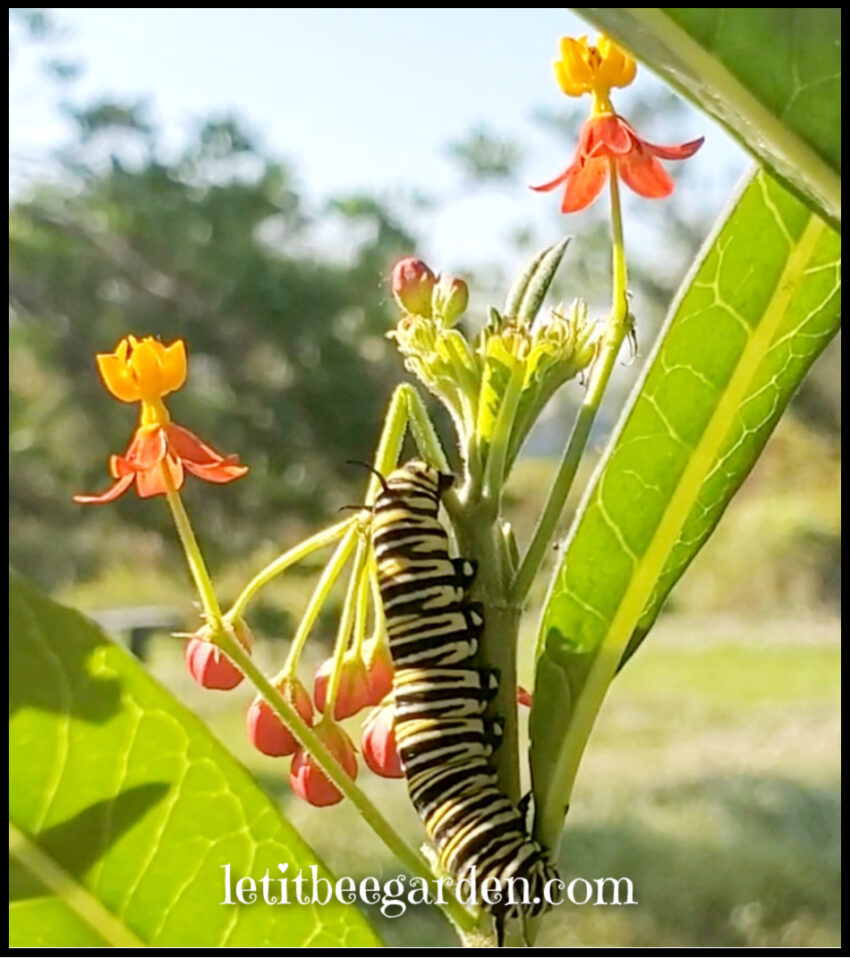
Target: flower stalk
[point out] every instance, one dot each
(609, 349)
(194, 556)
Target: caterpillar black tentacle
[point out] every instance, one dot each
(445, 741)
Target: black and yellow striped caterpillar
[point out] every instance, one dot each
(444, 740)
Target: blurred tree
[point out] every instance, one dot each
(216, 246)
(283, 306)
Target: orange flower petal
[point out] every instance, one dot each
(112, 493)
(116, 377)
(680, 152)
(584, 183)
(119, 467)
(545, 187)
(614, 133)
(645, 175)
(173, 364)
(144, 365)
(152, 482)
(189, 447)
(225, 471)
(147, 448)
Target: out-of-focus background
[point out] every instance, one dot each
(244, 179)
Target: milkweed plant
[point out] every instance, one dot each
(494, 371)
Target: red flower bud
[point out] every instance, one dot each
(210, 667)
(353, 692)
(412, 283)
(379, 672)
(378, 744)
(450, 299)
(523, 697)
(265, 728)
(308, 781)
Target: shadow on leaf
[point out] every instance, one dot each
(78, 843)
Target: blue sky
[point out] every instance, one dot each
(355, 99)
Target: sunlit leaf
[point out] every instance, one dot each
(124, 809)
(761, 304)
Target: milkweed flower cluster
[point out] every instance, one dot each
(470, 376)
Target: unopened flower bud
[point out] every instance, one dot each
(412, 284)
(449, 299)
(265, 728)
(353, 691)
(209, 666)
(308, 781)
(379, 672)
(379, 746)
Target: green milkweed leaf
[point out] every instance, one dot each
(123, 808)
(760, 305)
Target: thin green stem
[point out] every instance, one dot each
(494, 470)
(381, 636)
(458, 349)
(619, 292)
(194, 556)
(362, 611)
(423, 430)
(324, 758)
(346, 620)
(609, 348)
(392, 439)
(458, 397)
(295, 554)
(329, 575)
(428, 443)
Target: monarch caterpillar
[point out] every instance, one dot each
(444, 740)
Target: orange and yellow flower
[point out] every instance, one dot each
(145, 371)
(606, 137)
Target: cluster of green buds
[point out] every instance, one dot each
(502, 377)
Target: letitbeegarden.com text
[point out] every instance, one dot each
(395, 895)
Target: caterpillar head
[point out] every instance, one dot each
(426, 475)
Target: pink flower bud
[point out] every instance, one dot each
(378, 744)
(308, 781)
(265, 728)
(412, 283)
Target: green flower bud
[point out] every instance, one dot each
(449, 299)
